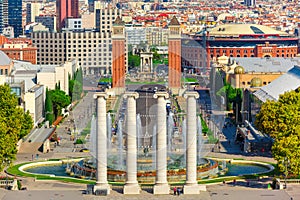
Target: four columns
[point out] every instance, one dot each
(161, 184)
(131, 184)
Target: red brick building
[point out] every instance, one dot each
(19, 49)
(238, 40)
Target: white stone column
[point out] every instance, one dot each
(161, 184)
(101, 143)
(131, 185)
(191, 185)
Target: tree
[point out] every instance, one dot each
(49, 107)
(133, 60)
(14, 124)
(60, 100)
(281, 120)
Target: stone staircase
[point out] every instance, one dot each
(30, 147)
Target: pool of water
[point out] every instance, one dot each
(244, 169)
(57, 170)
(233, 169)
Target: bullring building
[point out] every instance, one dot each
(237, 40)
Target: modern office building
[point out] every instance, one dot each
(48, 21)
(92, 50)
(15, 16)
(32, 10)
(105, 18)
(249, 2)
(3, 14)
(66, 9)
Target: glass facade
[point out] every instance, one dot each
(15, 16)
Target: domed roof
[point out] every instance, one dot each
(239, 70)
(256, 82)
(4, 59)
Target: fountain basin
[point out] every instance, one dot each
(236, 168)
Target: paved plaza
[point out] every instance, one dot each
(54, 190)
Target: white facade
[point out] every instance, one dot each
(135, 35)
(51, 75)
(34, 103)
(74, 23)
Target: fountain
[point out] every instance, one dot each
(200, 142)
(183, 133)
(153, 149)
(109, 133)
(93, 137)
(120, 146)
(170, 131)
(139, 132)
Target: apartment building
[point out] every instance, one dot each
(92, 50)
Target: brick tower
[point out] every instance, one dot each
(174, 55)
(118, 55)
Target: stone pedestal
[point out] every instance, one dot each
(191, 185)
(161, 188)
(131, 185)
(161, 183)
(191, 189)
(101, 144)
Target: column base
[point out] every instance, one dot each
(161, 189)
(191, 189)
(131, 188)
(102, 187)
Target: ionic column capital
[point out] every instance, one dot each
(100, 94)
(131, 94)
(188, 94)
(161, 94)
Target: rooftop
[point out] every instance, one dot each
(287, 82)
(273, 64)
(240, 29)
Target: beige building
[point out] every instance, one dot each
(6, 64)
(88, 21)
(49, 76)
(92, 49)
(34, 103)
(157, 36)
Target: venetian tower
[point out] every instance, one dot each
(174, 55)
(118, 56)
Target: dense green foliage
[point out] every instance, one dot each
(76, 85)
(133, 60)
(49, 108)
(59, 100)
(14, 124)
(232, 98)
(281, 120)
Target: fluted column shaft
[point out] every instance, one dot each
(101, 140)
(161, 143)
(191, 138)
(131, 162)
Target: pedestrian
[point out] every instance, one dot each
(32, 157)
(175, 190)
(178, 191)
